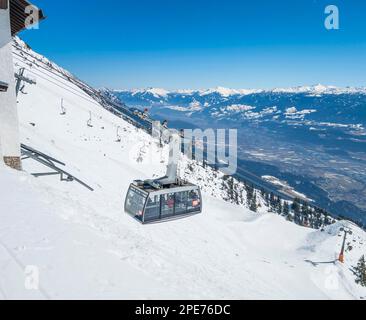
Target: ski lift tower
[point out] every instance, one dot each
(15, 16)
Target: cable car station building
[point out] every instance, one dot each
(13, 19)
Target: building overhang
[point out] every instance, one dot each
(20, 15)
(3, 86)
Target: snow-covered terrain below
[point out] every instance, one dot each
(85, 246)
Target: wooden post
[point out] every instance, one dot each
(341, 255)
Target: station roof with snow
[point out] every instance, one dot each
(18, 15)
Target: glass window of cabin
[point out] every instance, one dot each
(194, 201)
(181, 201)
(167, 205)
(135, 202)
(152, 210)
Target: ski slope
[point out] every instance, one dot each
(85, 247)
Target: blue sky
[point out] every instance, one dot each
(200, 44)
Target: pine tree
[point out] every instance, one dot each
(266, 199)
(296, 207)
(286, 209)
(231, 189)
(236, 195)
(250, 194)
(272, 202)
(279, 206)
(225, 188)
(263, 193)
(241, 194)
(360, 272)
(253, 206)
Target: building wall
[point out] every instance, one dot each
(9, 126)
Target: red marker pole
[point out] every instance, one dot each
(341, 255)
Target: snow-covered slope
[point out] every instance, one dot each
(85, 246)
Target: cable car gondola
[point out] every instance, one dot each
(165, 198)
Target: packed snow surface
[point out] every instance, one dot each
(84, 245)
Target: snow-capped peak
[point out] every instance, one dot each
(319, 89)
(156, 92)
(227, 92)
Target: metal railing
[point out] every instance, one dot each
(49, 162)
